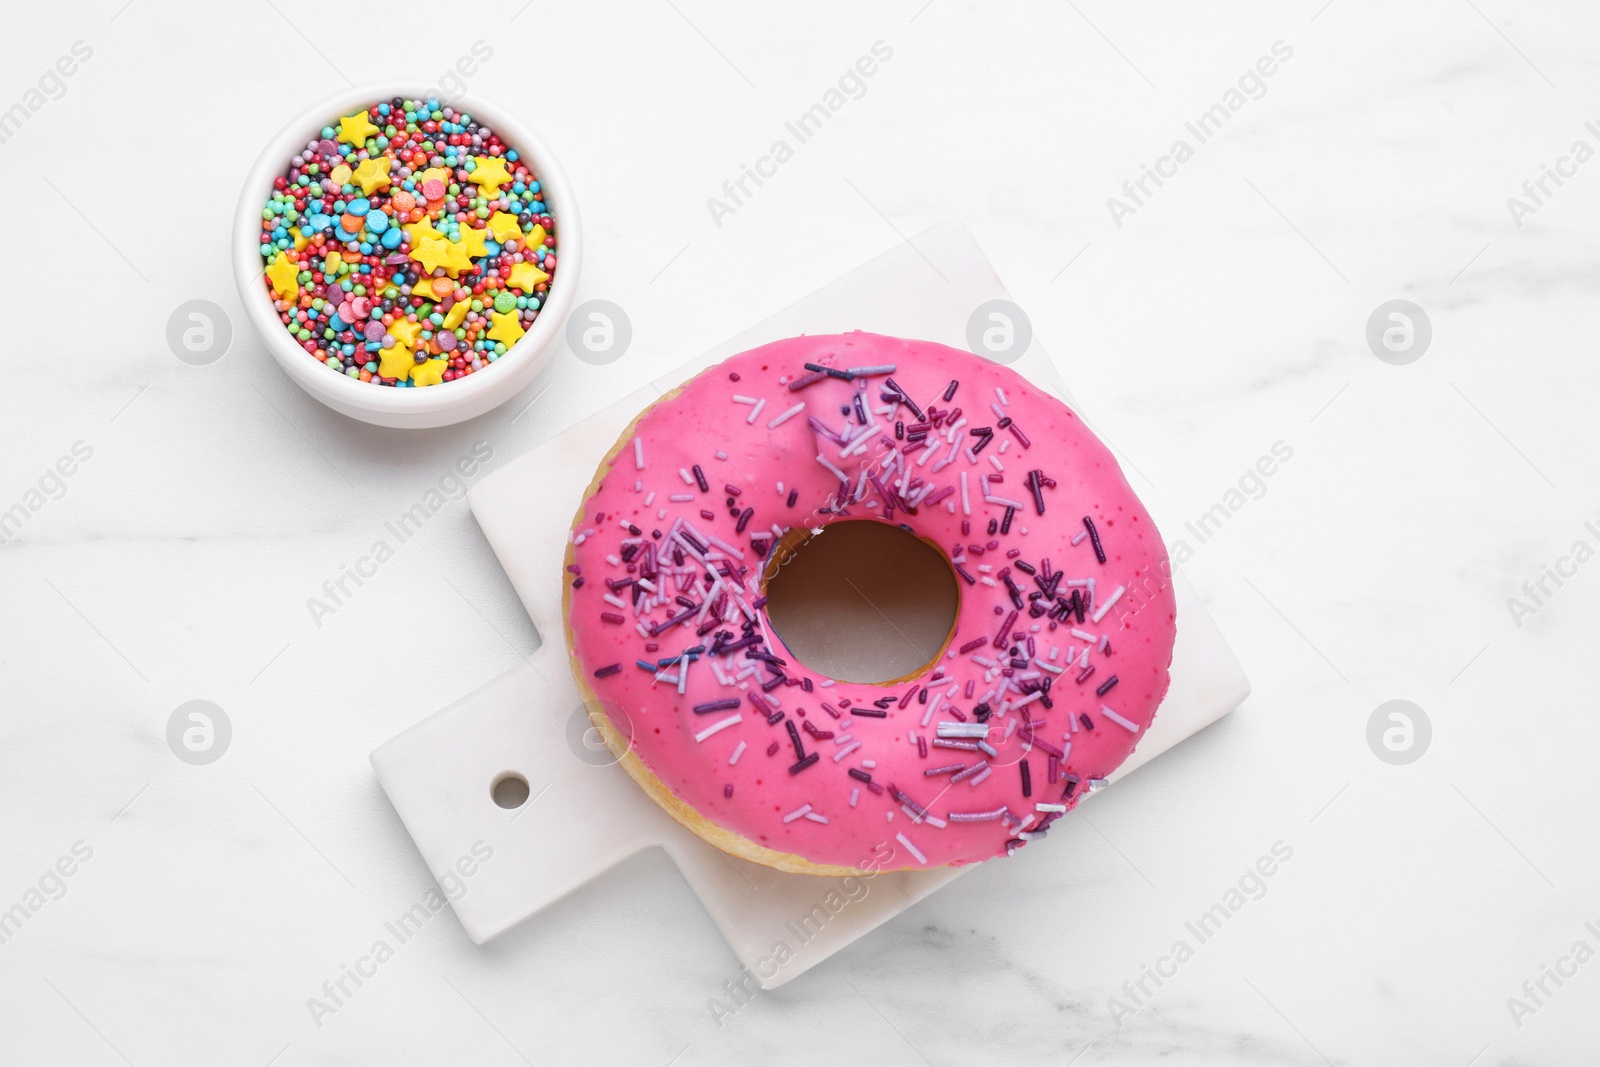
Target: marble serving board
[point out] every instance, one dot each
(583, 814)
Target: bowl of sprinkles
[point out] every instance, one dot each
(408, 260)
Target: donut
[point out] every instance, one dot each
(1054, 668)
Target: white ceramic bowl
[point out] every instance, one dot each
(435, 405)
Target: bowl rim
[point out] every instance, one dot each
(512, 370)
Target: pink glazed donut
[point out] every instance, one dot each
(1054, 669)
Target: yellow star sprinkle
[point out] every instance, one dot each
(373, 174)
(506, 328)
(356, 129)
(429, 373)
(474, 241)
(405, 332)
(285, 277)
(458, 260)
(422, 231)
(525, 276)
(432, 254)
(490, 174)
(536, 236)
(504, 226)
(457, 314)
(396, 362)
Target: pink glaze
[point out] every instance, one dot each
(879, 831)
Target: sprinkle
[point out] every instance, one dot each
(979, 816)
(807, 379)
(1105, 686)
(855, 794)
(845, 751)
(814, 817)
(803, 764)
(877, 368)
(977, 768)
(755, 412)
(688, 479)
(1094, 539)
(700, 479)
(638, 452)
(797, 813)
(722, 724)
(785, 417)
(1131, 727)
(963, 729)
(1027, 778)
(933, 772)
(606, 672)
(966, 500)
(716, 705)
(841, 475)
(1049, 807)
(736, 754)
(1116, 594)
(906, 841)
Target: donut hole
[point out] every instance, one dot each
(863, 601)
(509, 790)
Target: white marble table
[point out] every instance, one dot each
(1225, 317)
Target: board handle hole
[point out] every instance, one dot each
(510, 790)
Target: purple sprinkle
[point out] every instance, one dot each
(606, 672)
(716, 705)
(1094, 538)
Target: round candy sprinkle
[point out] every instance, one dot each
(407, 245)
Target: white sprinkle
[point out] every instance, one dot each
(638, 452)
(846, 750)
(737, 399)
(651, 499)
(785, 417)
(797, 813)
(966, 501)
(736, 754)
(679, 498)
(755, 412)
(963, 729)
(841, 475)
(638, 486)
(1001, 393)
(780, 488)
(814, 817)
(614, 600)
(1049, 807)
(1081, 635)
(1081, 535)
(906, 841)
(855, 795)
(995, 460)
(1099, 613)
(980, 776)
(714, 727)
(720, 454)
(688, 479)
(1131, 727)
(870, 764)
